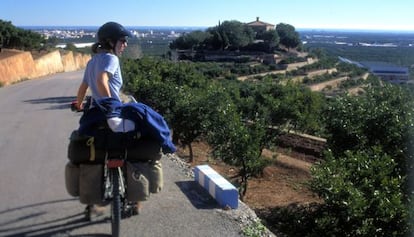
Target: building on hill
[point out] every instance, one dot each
(260, 26)
(388, 72)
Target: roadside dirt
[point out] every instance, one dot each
(282, 184)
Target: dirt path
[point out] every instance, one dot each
(243, 78)
(332, 83)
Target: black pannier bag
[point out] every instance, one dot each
(144, 149)
(82, 149)
(137, 148)
(86, 149)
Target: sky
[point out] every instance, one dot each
(395, 15)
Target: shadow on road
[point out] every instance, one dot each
(198, 197)
(33, 220)
(56, 102)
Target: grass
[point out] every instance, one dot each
(255, 229)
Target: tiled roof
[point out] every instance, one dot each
(257, 22)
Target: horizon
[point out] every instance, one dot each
(147, 27)
(317, 14)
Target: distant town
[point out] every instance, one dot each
(84, 36)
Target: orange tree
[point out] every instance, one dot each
(364, 180)
(237, 142)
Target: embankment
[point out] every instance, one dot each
(16, 65)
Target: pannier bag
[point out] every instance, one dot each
(82, 150)
(151, 171)
(91, 186)
(144, 149)
(72, 179)
(137, 183)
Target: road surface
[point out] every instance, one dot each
(35, 123)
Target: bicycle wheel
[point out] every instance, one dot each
(116, 204)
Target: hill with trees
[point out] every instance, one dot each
(234, 36)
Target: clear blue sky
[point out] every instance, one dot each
(327, 14)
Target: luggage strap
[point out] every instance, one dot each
(91, 145)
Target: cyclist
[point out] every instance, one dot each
(103, 72)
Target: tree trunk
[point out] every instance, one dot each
(243, 183)
(190, 149)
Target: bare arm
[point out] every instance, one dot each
(81, 95)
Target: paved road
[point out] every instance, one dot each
(35, 122)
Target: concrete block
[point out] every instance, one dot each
(218, 187)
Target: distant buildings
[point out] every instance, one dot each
(66, 33)
(385, 71)
(388, 72)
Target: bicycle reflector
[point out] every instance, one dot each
(115, 163)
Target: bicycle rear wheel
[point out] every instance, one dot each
(116, 203)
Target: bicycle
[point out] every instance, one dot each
(114, 180)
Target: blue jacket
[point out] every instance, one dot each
(147, 121)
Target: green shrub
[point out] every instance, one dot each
(364, 178)
(362, 195)
(383, 116)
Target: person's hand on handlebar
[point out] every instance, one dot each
(75, 106)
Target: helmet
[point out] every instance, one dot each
(112, 31)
